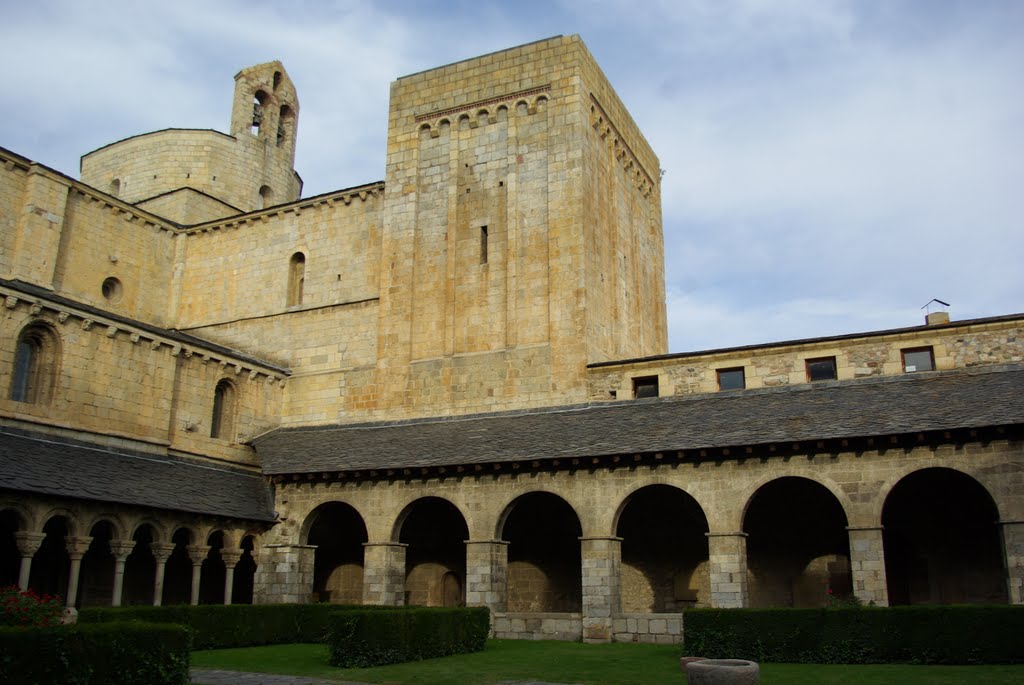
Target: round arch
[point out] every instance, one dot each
(544, 559)
(901, 474)
(140, 566)
(338, 531)
(798, 549)
(51, 563)
(818, 479)
(942, 541)
(434, 531)
(665, 555)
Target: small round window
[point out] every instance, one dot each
(112, 289)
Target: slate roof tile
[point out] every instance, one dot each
(909, 403)
(31, 462)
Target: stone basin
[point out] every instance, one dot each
(722, 672)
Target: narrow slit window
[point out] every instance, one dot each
(296, 278)
(35, 365)
(222, 422)
(483, 244)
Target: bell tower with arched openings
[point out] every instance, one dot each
(266, 110)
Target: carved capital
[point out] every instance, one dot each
(28, 543)
(162, 551)
(77, 546)
(197, 553)
(121, 548)
(231, 556)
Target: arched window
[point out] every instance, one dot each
(258, 100)
(35, 365)
(283, 124)
(296, 278)
(266, 197)
(222, 424)
(115, 187)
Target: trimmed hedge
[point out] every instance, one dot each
(108, 654)
(216, 626)
(358, 638)
(911, 634)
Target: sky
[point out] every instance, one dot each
(830, 166)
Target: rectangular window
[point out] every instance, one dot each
(483, 244)
(822, 369)
(918, 359)
(647, 386)
(731, 379)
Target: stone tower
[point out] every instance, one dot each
(192, 176)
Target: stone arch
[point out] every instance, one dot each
(96, 577)
(798, 549)
(824, 481)
(942, 540)
(531, 489)
(214, 571)
(115, 187)
(502, 112)
(51, 563)
(259, 102)
(885, 489)
(522, 107)
(544, 558)
(482, 117)
(158, 529)
(665, 556)
(24, 517)
(286, 116)
(245, 571)
(425, 131)
(444, 126)
(178, 570)
(74, 527)
(37, 357)
(463, 122)
(541, 102)
(339, 532)
(140, 566)
(434, 531)
(118, 529)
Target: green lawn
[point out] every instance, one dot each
(570, 662)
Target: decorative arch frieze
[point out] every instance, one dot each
(483, 112)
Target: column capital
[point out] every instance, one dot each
(197, 553)
(162, 551)
(28, 542)
(77, 546)
(231, 556)
(121, 548)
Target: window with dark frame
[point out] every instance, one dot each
(732, 379)
(918, 359)
(821, 369)
(645, 386)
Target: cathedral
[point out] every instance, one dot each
(452, 386)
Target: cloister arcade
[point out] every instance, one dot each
(661, 545)
(91, 558)
(664, 545)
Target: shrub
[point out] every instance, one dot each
(917, 634)
(359, 638)
(217, 626)
(18, 608)
(108, 654)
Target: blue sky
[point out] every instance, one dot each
(831, 165)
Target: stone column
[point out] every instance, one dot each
(487, 575)
(867, 565)
(384, 573)
(28, 545)
(77, 547)
(284, 574)
(197, 553)
(161, 551)
(120, 549)
(727, 563)
(601, 566)
(230, 557)
(1013, 554)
